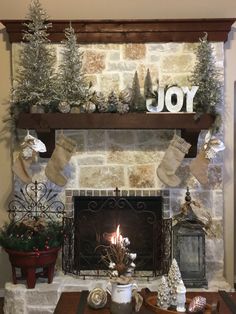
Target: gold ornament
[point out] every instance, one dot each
(97, 298)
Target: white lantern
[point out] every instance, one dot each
(181, 297)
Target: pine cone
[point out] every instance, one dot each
(112, 102)
(197, 304)
(89, 107)
(125, 96)
(100, 102)
(122, 108)
(64, 107)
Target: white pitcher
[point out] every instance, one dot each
(121, 297)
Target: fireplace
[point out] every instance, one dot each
(129, 158)
(96, 217)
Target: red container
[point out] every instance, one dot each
(29, 262)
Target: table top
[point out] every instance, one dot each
(69, 303)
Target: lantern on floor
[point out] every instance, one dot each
(189, 246)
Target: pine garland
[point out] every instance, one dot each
(31, 236)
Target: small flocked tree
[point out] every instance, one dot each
(71, 84)
(207, 77)
(34, 83)
(174, 278)
(163, 297)
(137, 100)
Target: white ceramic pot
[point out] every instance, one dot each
(121, 297)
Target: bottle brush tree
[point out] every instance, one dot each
(137, 100)
(148, 85)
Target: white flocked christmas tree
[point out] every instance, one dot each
(72, 90)
(163, 294)
(34, 82)
(174, 278)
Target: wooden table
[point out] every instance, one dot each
(69, 303)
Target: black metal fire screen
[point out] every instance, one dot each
(96, 217)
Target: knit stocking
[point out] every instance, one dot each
(65, 147)
(173, 157)
(199, 167)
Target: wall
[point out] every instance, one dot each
(132, 9)
(136, 9)
(5, 151)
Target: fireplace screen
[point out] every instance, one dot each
(96, 218)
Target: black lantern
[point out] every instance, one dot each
(189, 246)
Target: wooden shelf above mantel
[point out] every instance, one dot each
(131, 31)
(45, 124)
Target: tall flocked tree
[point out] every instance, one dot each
(34, 83)
(148, 85)
(72, 88)
(207, 77)
(137, 100)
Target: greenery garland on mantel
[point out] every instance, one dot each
(66, 90)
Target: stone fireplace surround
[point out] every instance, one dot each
(128, 159)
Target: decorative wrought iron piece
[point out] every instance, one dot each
(35, 201)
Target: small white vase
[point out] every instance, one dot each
(121, 297)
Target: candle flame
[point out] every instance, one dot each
(117, 238)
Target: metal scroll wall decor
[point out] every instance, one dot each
(35, 201)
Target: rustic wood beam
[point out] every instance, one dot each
(131, 31)
(45, 124)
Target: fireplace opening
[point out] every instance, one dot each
(97, 217)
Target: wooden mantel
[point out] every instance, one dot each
(131, 31)
(45, 124)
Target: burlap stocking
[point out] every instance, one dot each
(27, 155)
(199, 167)
(171, 161)
(21, 167)
(65, 147)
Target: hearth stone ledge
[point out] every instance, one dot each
(44, 297)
